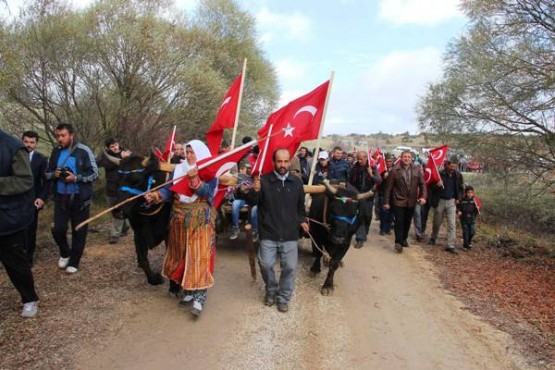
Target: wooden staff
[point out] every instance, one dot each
(250, 249)
(236, 122)
(204, 165)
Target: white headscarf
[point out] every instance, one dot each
(201, 152)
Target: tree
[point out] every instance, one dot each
(131, 69)
(499, 78)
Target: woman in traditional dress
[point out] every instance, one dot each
(189, 261)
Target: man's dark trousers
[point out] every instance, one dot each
(403, 218)
(70, 208)
(14, 259)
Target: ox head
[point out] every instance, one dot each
(343, 211)
(137, 174)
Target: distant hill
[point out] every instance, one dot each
(386, 142)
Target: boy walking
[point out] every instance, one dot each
(467, 211)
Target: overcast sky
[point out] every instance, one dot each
(383, 52)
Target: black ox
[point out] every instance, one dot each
(340, 210)
(148, 221)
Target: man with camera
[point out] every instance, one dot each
(72, 169)
(109, 159)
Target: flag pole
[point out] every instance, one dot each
(170, 154)
(315, 157)
(239, 104)
(435, 166)
(265, 151)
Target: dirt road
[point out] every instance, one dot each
(388, 312)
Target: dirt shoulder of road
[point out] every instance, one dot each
(388, 310)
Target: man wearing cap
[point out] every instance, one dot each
(322, 168)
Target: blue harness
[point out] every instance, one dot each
(349, 220)
(134, 190)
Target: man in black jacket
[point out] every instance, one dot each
(72, 169)
(110, 158)
(41, 186)
(280, 199)
(365, 178)
(16, 198)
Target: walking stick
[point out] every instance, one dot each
(200, 167)
(250, 249)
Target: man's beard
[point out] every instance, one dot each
(282, 170)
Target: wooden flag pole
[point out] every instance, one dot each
(236, 123)
(265, 150)
(315, 157)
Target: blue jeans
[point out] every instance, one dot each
(468, 229)
(288, 254)
(236, 211)
(420, 219)
(386, 215)
(364, 226)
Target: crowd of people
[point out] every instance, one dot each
(276, 203)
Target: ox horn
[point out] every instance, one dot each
(146, 162)
(328, 186)
(112, 159)
(366, 195)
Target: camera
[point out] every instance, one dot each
(65, 172)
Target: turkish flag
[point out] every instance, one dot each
(438, 154)
(159, 154)
(478, 203)
(211, 168)
(380, 161)
(225, 117)
(292, 124)
(431, 174)
(436, 157)
(170, 147)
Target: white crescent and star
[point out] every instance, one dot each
(427, 174)
(224, 168)
(288, 131)
(225, 102)
(438, 156)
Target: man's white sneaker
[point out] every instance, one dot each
(197, 309)
(186, 300)
(62, 262)
(71, 270)
(30, 309)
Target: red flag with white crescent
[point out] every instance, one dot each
(170, 147)
(478, 203)
(211, 168)
(438, 154)
(431, 174)
(225, 117)
(380, 161)
(294, 123)
(435, 159)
